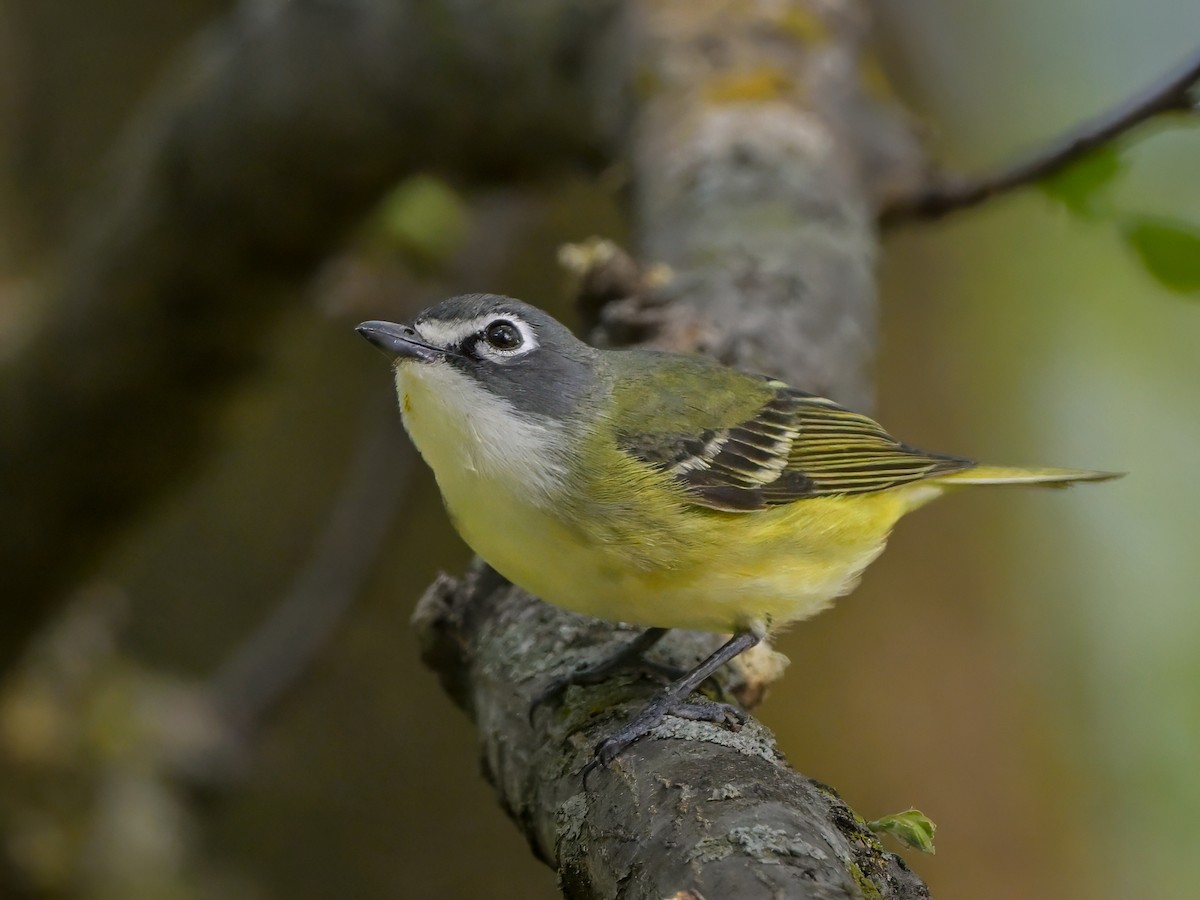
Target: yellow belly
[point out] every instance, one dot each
(735, 571)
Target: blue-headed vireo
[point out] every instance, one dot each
(654, 488)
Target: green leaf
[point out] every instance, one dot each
(1083, 186)
(1168, 248)
(422, 219)
(912, 828)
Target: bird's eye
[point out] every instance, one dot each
(503, 335)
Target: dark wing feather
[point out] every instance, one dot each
(794, 447)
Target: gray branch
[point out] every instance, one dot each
(756, 157)
(693, 808)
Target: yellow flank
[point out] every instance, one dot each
(634, 554)
(708, 570)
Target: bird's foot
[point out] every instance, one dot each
(666, 704)
(676, 700)
(594, 675)
(628, 658)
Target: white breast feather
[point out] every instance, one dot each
(460, 427)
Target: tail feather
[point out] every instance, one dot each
(1014, 475)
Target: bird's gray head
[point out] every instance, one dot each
(510, 348)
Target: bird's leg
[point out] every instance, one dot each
(674, 701)
(629, 656)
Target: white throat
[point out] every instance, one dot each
(474, 440)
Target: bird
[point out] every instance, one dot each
(658, 489)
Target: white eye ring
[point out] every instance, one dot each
(526, 342)
(452, 334)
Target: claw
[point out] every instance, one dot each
(675, 701)
(699, 710)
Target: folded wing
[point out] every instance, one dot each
(795, 446)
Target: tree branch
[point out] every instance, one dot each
(1172, 93)
(693, 808)
(755, 154)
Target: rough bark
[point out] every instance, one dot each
(757, 160)
(276, 133)
(693, 810)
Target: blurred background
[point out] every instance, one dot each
(1021, 665)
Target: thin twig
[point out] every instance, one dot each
(283, 648)
(1172, 93)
